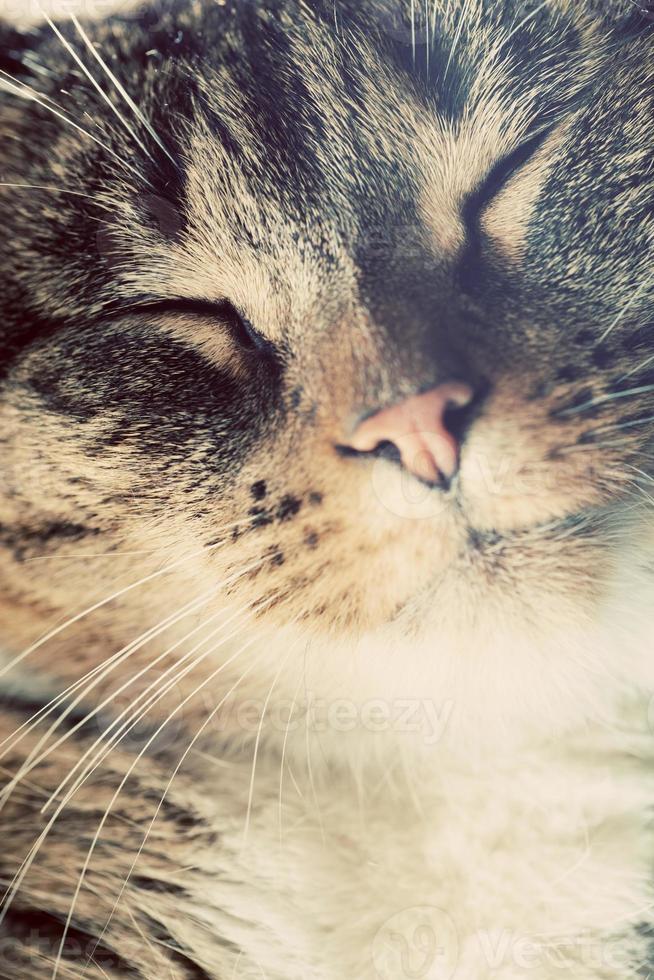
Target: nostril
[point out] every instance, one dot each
(455, 421)
(388, 451)
(423, 432)
(383, 450)
(458, 419)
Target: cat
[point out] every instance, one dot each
(326, 535)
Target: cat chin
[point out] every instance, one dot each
(473, 677)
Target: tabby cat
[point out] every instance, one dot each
(326, 534)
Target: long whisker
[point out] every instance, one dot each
(122, 91)
(97, 675)
(52, 705)
(103, 602)
(642, 491)
(98, 554)
(34, 759)
(179, 765)
(312, 782)
(257, 742)
(30, 857)
(161, 688)
(95, 711)
(646, 283)
(105, 816)
(71, 50)
(646, 476)
(149, 666)
(24, 91)
(283, 759)
(146, 942)
(601, 399)
(624, 425)
(639, 367)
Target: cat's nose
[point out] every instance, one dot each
(418, 431)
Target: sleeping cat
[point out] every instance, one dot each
(326, 536)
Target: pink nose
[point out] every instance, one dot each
(416, 427)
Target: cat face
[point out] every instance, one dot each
(259, 225)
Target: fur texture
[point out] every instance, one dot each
(409, 729)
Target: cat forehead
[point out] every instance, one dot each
(295, 116)
(324, 137)
(311, 145)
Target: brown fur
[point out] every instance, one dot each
(336, 189)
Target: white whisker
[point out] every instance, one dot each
(56, 631)
(139, 142)
(639, 367)
(179, 765)
(257, 741)
(646, 476)
(643, 492)
(99, 554)
(284, 746)
(623, 425)
(24, 91)
(112, 661)
(105, 816)
(645, 284)
(602, 399)
(121, 90)
(160, 686)
(30, 857)
(34, 759)
(312, 782)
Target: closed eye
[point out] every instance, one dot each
(222, 311)
(501, 174)
(476, 209)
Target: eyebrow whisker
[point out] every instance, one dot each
(139, 142)
(24, 91)
(122, 91)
